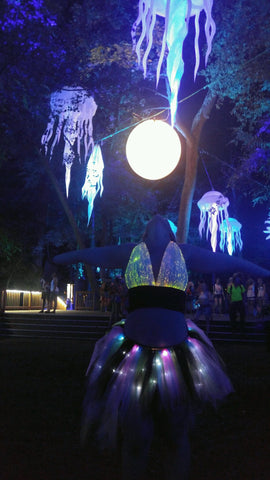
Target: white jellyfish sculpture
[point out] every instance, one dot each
(213, 210)
(230, 235)
(72, 111)
(267, 231)
(176, 14)
(93, 179)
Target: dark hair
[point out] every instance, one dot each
(158, 219)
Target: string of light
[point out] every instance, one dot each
(182, 100)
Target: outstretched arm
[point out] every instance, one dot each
(115, 256)
(204, 261)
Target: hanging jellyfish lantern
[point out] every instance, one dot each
(93, 179)
(176, 14)
(267, 231)
(230, 235)
(72, 111)
(213, 210)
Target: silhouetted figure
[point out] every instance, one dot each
(149, 374)
(237, 304)
(45, 294)
(54, 290)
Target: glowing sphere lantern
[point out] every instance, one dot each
(153, 149)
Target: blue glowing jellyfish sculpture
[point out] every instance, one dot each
(267, 231)
(176, 14)
(230, 235)
(93, 179)
(214, 209)
(72, 111)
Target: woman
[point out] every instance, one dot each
(237, 304)
(218, 296)
(150, 373)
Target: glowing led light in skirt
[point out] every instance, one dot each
(214, 209)
(153, 149)
(230, 235)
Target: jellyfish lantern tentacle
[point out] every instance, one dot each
(94, 179)
(177, 14)
(230, 235)
(71, 113)
(267, 231)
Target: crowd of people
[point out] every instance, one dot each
(243, 298)
(240, 298)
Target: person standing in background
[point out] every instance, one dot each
(237, 306)
(53, 293)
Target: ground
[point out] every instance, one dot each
(42, 387)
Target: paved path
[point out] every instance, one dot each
(42, 389)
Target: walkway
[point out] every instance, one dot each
(91, 325)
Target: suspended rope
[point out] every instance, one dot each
(208, 85)
(208, 176)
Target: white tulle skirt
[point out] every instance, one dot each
(129, 383)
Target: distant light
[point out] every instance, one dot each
(153, 149)
(23, 291)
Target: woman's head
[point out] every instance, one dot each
(158, 229)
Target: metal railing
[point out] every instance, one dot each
(86, 300)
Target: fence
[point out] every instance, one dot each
(27, 300)
(86, 300)
(24, 300)
(20, 300)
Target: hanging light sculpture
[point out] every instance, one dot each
(72, 111)
(93, 180)
(213, 210)
(230, 235)
(153, 149)
(176, 14)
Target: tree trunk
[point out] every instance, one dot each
(71, 219)
(191, 167)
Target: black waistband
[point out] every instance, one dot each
(147, 296)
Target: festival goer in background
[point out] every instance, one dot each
(104, 295)
(218, 293)
(204, 301)
(227, 295)
(45, 294)
(116, 292)
(237, 305)
(251, 297)
(190, 296)
(54, 290)
(261, 293)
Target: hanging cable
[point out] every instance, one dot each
(208, 176)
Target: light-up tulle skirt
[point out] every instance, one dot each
(126, 382)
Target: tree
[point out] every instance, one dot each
(236, 71)
(39, 57)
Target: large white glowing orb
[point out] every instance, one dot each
(153, 149)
